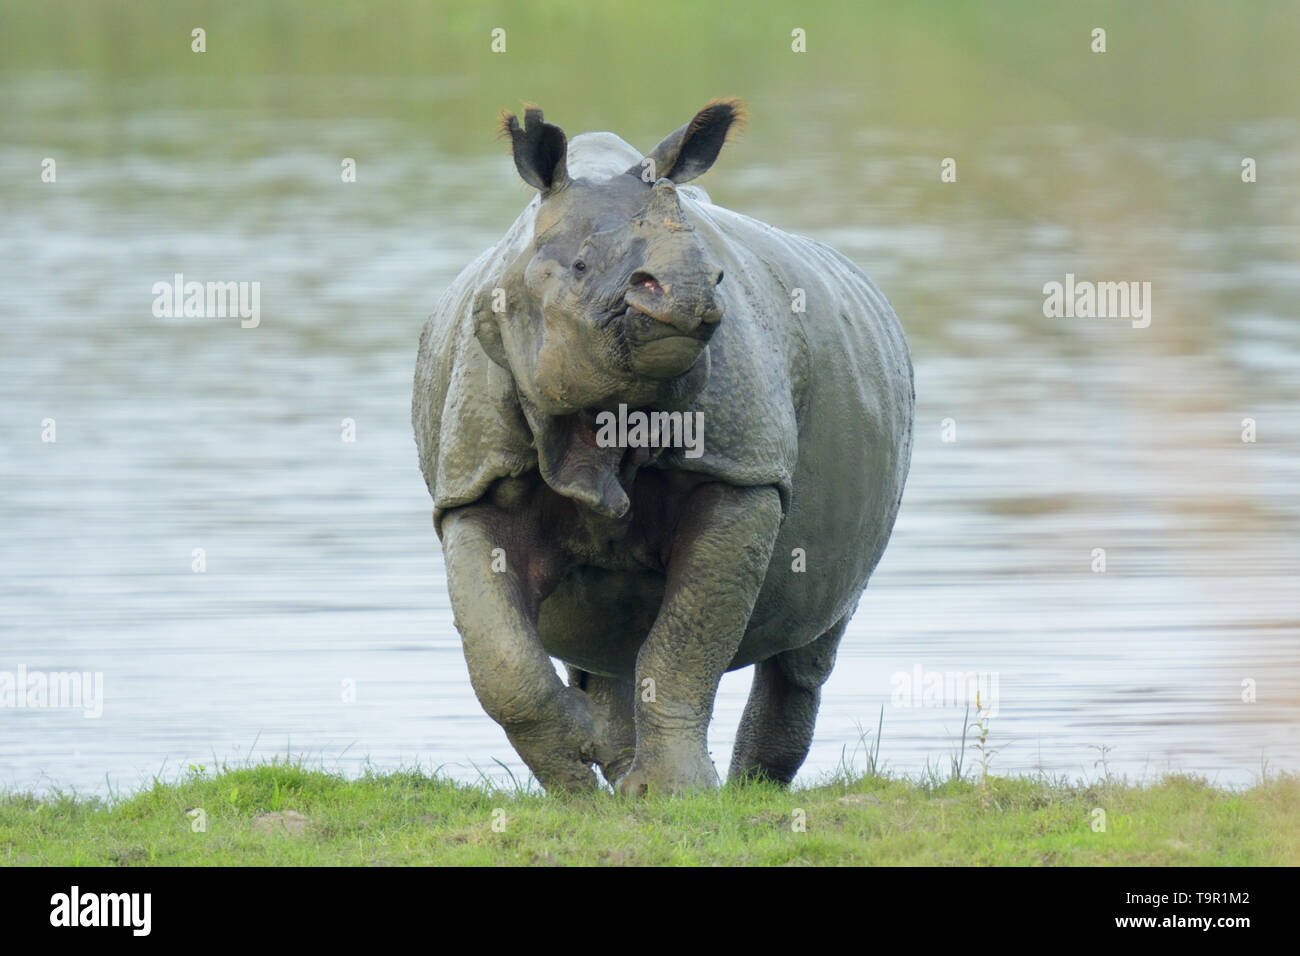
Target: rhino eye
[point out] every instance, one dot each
(579, 266)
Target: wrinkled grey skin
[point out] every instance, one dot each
(649, 573)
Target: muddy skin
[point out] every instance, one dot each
(650, 572)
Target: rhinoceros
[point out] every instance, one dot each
(647, 564)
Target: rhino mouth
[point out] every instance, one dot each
(643, 327)
(651, 345)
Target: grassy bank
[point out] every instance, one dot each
(281, 813)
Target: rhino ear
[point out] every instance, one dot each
(539, 149)
(689, 151)
(486, 329)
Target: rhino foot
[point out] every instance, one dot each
(682, 776)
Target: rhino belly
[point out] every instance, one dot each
(597, 619)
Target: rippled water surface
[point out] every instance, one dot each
(321, 565)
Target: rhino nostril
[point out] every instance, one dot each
(717, 279)
(644, 280)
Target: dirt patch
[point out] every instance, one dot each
(860, 800)
(287, 821)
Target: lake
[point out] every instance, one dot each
(319, 625)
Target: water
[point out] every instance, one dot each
(322, 569)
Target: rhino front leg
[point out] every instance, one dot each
(720, 553)
(549, 725)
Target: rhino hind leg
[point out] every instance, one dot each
(612, 712)
(777, 727)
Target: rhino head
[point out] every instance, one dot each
(615, 298)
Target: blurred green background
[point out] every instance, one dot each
(1171, 65)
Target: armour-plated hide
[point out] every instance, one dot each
(613, 287)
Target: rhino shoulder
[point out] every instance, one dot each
(469, 427)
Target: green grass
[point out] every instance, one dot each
(414, 818)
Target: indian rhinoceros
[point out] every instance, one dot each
(647, 564)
